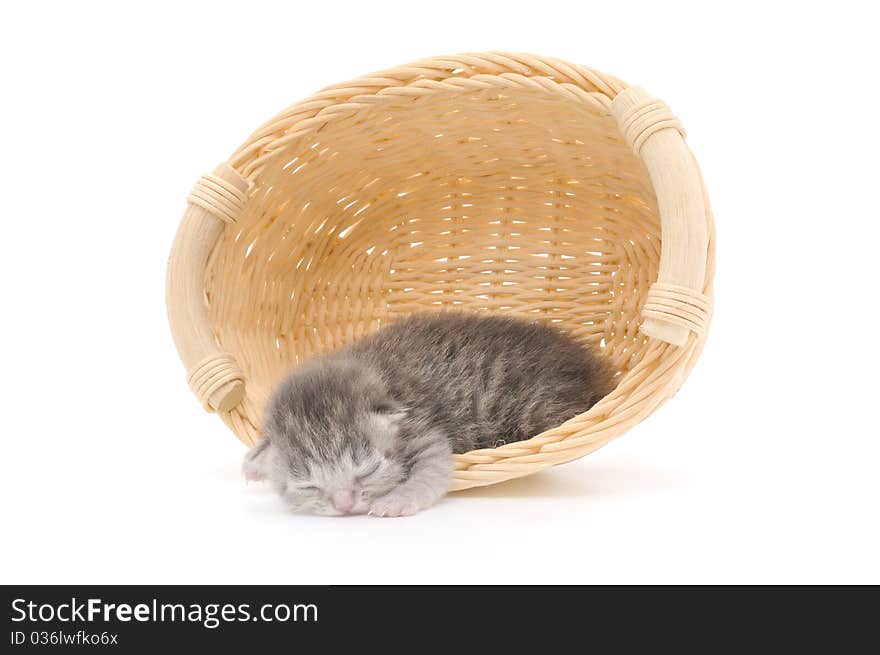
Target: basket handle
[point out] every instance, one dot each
(214, 376)
(675, 305)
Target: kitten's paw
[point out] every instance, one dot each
(394, 506)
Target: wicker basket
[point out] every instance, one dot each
(493, 182)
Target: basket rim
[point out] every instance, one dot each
(428, 75)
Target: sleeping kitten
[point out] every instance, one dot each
(372, 427)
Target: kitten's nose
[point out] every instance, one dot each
(343, 501)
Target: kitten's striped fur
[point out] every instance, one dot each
(372, 427)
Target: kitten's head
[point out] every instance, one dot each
(331, 432)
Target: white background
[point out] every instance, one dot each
(762, 469)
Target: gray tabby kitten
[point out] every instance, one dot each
(372, 427)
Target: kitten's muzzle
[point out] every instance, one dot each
(343, 501)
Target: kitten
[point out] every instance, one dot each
(372, 427)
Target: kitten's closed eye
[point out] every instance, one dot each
(370, 471)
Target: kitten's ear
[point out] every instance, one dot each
(258, 461)
(388, 413)
(385, 418)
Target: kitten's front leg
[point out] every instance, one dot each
(431, 469)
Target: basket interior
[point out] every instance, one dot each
(506, 201)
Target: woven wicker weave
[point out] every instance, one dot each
(491, 182)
